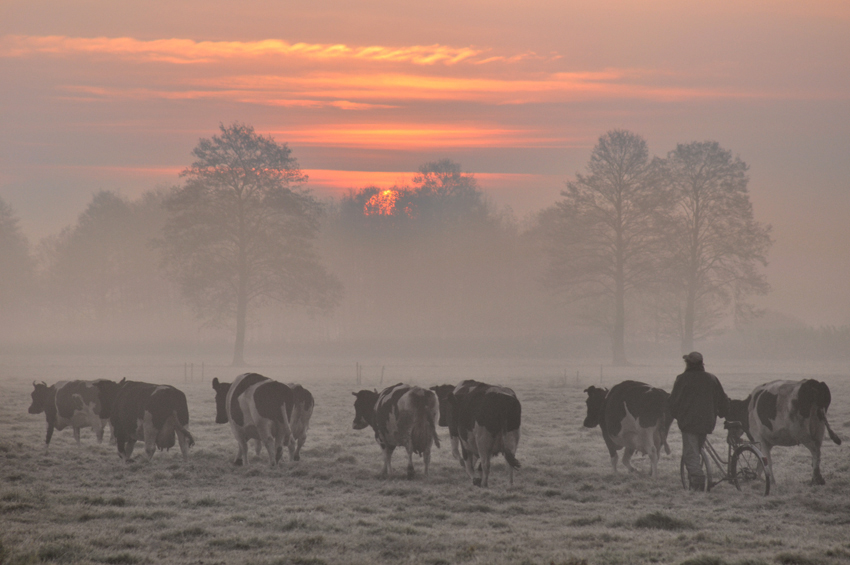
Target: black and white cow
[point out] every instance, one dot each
(632, 415)
(401, 415)
(787, 413)
(152, 413)
(484, 421)
(71, 403)
(299, 406)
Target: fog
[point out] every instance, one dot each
(425, 270)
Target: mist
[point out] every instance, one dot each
(434, 267)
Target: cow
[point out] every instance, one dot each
(299, 406)
(787, 413)
(78, 404)
(634, 416)
(401, 415)
(484, 421)
(152, 413)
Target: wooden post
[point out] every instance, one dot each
(185, 372)
(192, 373)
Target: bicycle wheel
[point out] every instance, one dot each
(683, 472)
(748, 471)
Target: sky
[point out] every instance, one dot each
(103, 95)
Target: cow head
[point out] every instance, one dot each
(364, 408)
(106, 390)
(595, 405)
(220, 400)
(445, 394)
(39, 398)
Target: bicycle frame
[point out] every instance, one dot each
(732, 469)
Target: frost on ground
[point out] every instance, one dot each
(84, 505)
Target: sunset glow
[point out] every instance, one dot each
(114, 96)
(381, 204)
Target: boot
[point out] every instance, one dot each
(697, 483)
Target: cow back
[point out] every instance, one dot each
(128, 407)
(272, 399)
(386, 405)
(649, 405)
(240, 385)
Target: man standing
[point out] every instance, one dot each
(696, 401)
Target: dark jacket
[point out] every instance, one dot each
(696, 401)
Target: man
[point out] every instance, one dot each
(696, 401)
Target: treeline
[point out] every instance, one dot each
(639, 249)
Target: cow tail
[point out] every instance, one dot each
(433, 426)
(512, 461)
(832, 435)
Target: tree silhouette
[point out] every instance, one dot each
(17, 274)
(240, 231)
(715, 243)
(602, 237)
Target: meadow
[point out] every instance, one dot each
(84, 505)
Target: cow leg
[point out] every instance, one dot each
(627, 459)
(426, 457)
(653, 461)
(183, 440)
(295, 448)
(766, 451)
(97, 426)
(49, 435)
(613, 454)
(268, 439)
(388, 456)
(77, 435)
(128, 449)
(817, 478)
(410, 471)
(150, 433)
(485, 443)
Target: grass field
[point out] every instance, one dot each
(83, 505)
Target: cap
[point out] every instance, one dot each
(694, 358)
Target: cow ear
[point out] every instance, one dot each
(354, 394)
(376, 390)
(215, 382)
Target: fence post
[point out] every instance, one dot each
(185, 372)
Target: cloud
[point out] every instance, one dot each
(188, 51)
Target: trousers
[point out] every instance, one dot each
(691, 449)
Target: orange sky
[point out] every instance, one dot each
(113, 95)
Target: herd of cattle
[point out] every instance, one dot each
(483, 420)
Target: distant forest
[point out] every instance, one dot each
(642, 256)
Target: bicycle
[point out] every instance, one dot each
(745, 465)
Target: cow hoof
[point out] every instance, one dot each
(278, 455)
(410, 472)
(818, 480)
(238, 462)
(476, 482)
(297, 457)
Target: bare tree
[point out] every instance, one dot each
(241, 230)
(602, 237)
(716, 245)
